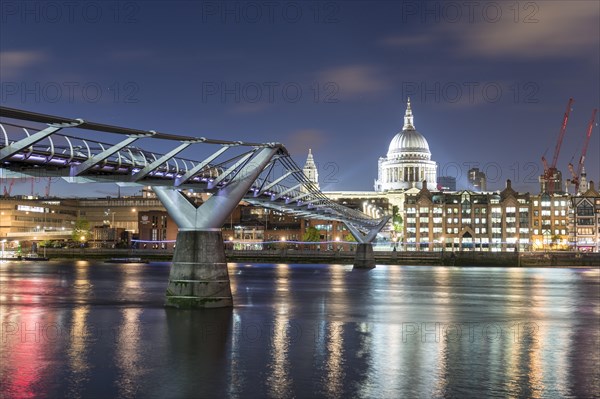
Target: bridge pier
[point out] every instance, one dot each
(199, 276)
(364, 258)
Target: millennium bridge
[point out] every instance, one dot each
(81, 151)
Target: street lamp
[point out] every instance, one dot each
(82, 239)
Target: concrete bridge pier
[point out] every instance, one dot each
(199, 276)
(365, 258)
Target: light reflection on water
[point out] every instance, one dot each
(83, 329)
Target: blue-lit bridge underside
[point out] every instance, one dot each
(33, 144)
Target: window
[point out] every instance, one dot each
(585, 209)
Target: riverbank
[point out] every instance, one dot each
(500, 259)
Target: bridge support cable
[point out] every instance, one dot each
(273, 183)
(196, 169)
(199, 276)
(283, 193)
(298, 197)
(233, 168)
(83, 167)
(20, 145)
(156, 164)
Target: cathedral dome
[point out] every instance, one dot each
(408, 162)
(408, 142)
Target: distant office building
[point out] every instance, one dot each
(477, 181)
(446, 183)
(552, 184)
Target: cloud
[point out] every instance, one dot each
(14, 63)
(540, 30)
(561, 29)
(355, 80)
(299, 141)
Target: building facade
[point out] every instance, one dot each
(550, 221)
(467, 221)
(584, 224)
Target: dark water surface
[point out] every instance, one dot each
(84, 329)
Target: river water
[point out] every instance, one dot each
(81, 329)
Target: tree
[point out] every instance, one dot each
(311, 235)
(81, 229)
(396, 220)
(349, 238)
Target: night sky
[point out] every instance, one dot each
(488, 81)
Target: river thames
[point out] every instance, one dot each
(82, 329)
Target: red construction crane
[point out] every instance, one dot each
(577, 175)
(47, 193)
(10, 186)
(550, 172)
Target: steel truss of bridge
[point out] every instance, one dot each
(263, 174)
